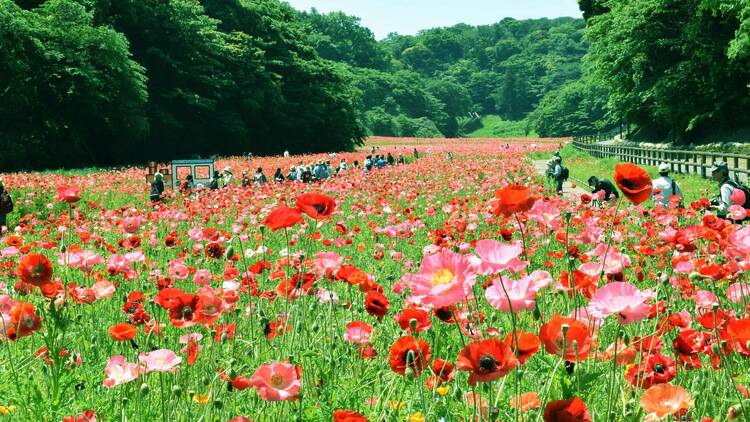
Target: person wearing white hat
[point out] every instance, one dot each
(664, 187)
(720, 173)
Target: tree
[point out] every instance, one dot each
(70, 94)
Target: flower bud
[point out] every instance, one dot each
(144, 389)
(176, 390)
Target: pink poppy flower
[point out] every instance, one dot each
(444, 279)
(103, 289)
(738, 292)
(520, 294)
(132, 224)
(68, 194)
(119, 371)
(202, 277)
(161, 360)
(546, 213)
(358, 332)
(178, 270)
(621, 299)
(497, 256)
(277, 381)
(327, 263)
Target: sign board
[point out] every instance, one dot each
(178, 171)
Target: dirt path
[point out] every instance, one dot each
(571, 188)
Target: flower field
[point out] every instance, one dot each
(440, 290)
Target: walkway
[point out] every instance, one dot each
(571, 188)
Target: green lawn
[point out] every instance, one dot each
(496, 127)
(581, 165)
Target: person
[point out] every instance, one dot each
(391, 160)
(368, 163)
(259, 177)
(665, 187)
(720, 173)
(416, 154)
(449, 155)
(343, 166)
(186, 188)
(6, 205)
(557, 175)
(597, 185)
(157, 187)
(246, 181)
(215, 181)
(278, 176)
(292, 176)
(355, 164)
(372, 150)
(227, 175)
(401, 159)
(380, 162)
(307, 175)
(286, 153)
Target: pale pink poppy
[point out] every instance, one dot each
(103, 289)
(161, 360)
(178, 270)
(737, 212)
(327, 263)
(358, 332)
(119, 371)
(195, 234)
(546, 213)
(277, 381)
(737, 292)
(520, 294)
(622, 299)
(443, 279)
(497, 256)
(202, 277)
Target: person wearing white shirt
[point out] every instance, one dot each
(720, 173)
(664, 187)
(286, 153)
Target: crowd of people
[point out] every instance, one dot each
(306, 173)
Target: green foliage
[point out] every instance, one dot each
(70, 92)
(576, 108)
(108, 82)
(677, 69)
(493, 126)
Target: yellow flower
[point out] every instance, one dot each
(443, 390)
(5, 411)
(393, 404)
(417, 417)
(201, 399)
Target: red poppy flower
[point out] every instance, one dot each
(86, 416)
(574, 345)
(409, 352)
(512, 199)
(348, 416)
(571, 410)
(35, 269)
(122, 332)
(443, 369)
(23, 320)
(738, 332)
(634, 182)
(69, 194)
(414, 320)
(487, 360)
(192, 351)
(653, 369)
(316, 205)
(283, 217)
(528, 345)
(376, 304)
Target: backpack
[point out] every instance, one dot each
(6, 203)
(564, 173)
(744, 189)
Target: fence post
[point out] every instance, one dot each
(703, 165)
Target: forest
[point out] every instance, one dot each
(102, 82)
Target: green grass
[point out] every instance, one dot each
(582, 165)
(496, 127)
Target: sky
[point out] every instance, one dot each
(409, 16)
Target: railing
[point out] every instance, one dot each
(680, 161)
